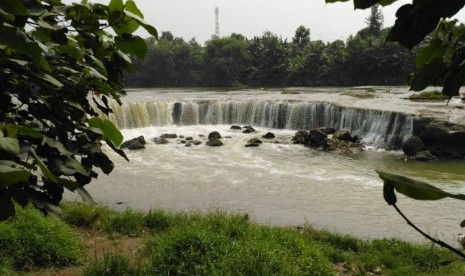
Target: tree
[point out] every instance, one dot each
(374, 22)
(269, 60)
(59, 65)
(441, 61)
(300, 40)
(226, 61)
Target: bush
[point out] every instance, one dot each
(32, 240)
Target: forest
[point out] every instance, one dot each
(271, 61)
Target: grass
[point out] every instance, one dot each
(428, 96)
(367, 94)
(214, 243)
(31, 240)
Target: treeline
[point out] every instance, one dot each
(364, 59)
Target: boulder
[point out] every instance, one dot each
(135, 143)
(316, 138)
(327, 130)
(343, 135)
(188, 144)
(269, 135)
(201, 135)
(236, 127)
(169, 136)
(424, 156)
(189, 138)
(160, 140)
(214, 135)
(248, 129)
(183, 142)
(300, 137)
(412, 146)
(196, 142)
(254, 142)
(214, 143)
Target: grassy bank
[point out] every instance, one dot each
(97, 241)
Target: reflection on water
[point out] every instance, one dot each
(279, 183)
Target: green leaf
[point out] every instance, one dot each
(116, 5)
(45, 170)
(415, 189)
(149, 28)
(110, 132)
(85, 195)
(69, 167)
(10, 145)
(68, 184)
(132, 45)
(10, 176)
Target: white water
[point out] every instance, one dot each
(276, 183)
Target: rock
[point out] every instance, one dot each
(181, 136)
(183, 142)
(269, 135)
(160, 140)
(188, 144)
(343, 135)
(424, 156)
(412, 146)
(214, 135)
(227, 137)
(169, 136)
(201, 135)
(236, 127)
(248, 129)
(214, 143)
(252, 145)
(316, 138)
(189, 138)
(134, 144)
(300, 137)
(196, 142)
(254, 142)
(327, 130)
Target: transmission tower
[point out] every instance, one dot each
(217, 22)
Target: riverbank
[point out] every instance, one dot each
(94, 240)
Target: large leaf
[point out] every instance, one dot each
(10, 175)
(110, 132)
(130, 44)
(415, 189)
(45, 170)
(10, 145)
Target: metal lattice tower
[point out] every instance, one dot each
(217, 22)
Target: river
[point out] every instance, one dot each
(277, 183)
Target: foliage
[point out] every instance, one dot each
(267, 60)
(31, 240)
(59, 65)
(128, 222)
(84, 216)
(441, 62)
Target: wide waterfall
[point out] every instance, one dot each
(382, 129)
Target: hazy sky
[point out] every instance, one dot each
(196, 18)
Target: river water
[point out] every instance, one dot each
(278, 183)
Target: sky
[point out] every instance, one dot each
(196, 18)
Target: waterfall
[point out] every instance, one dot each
(383, 129)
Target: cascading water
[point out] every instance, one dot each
(383, 129)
